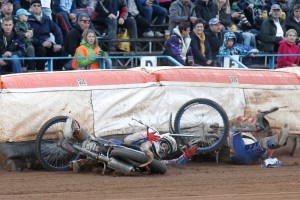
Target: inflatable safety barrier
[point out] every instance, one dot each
(104, 101)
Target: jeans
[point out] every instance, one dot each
(249, 39)
(149, 12)
(13, 65)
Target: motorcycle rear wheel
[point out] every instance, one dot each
(48, 148)
(139, 158)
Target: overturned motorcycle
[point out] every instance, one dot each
(57, 149)
(199, 122)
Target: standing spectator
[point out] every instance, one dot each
(74, 38)
(178, 46)
(288, 46)
(10, 47)
(215, 38)
(151, 9)
(205, 10)
(200, 46)
(42, 27)
(293, 21)
(180, 11)
(88, 47)
(6, 10)
(25, 34)
(272, 30)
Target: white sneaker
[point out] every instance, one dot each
(158, 34)
(148, 34)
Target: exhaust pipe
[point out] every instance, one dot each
(112, 163)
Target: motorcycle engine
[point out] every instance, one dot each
(92, 146)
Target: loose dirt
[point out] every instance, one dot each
(197, 180)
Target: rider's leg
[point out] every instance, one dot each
(73, 129)
(277, 140)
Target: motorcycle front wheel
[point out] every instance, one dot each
(204, 119)
(139, 158)
(48, 146)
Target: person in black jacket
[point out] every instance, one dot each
(200, 46)
(10, 47)
(205, 10)
(272, 34)
(42, 27)
(74, 37)
(215, 38)
(293, 21)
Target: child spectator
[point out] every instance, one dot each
(231, 47)
(25, 34)
(88, 47)
(288, 46)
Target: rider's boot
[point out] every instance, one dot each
(70, 127)
(73, 129)
(277, 140)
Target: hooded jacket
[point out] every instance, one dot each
(234, 49)
(286, 48)
(86, 50)
(180, 13)
(178, 47)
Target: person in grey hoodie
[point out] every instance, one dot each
(180, 11)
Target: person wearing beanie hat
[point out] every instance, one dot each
(25, 34)
(272, 30)
(43, 26)
(293, 21)
(35, 2)
(6, 10)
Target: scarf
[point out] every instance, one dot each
(202, 39)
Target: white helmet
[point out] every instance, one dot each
(248, 138)
(165, 146)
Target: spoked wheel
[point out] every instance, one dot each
(206, 120)
(48, 146)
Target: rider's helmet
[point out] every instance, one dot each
(165, 146)
(248, 138)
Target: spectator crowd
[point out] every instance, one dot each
(56, 28)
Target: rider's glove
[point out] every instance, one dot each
(151, 137)
(190, 152)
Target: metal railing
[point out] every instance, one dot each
(269, 59)
(101, 59)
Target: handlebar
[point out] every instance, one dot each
(266, 112)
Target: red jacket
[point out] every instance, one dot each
(287, 48)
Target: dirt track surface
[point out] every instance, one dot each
(205, 180)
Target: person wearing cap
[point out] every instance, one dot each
(293, 21)
(215, 38)
(25, 34)
(10, 47)
(272, 30)
(42, 27)
(6, 10)
(180, 11)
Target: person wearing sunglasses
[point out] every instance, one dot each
(42, 27)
